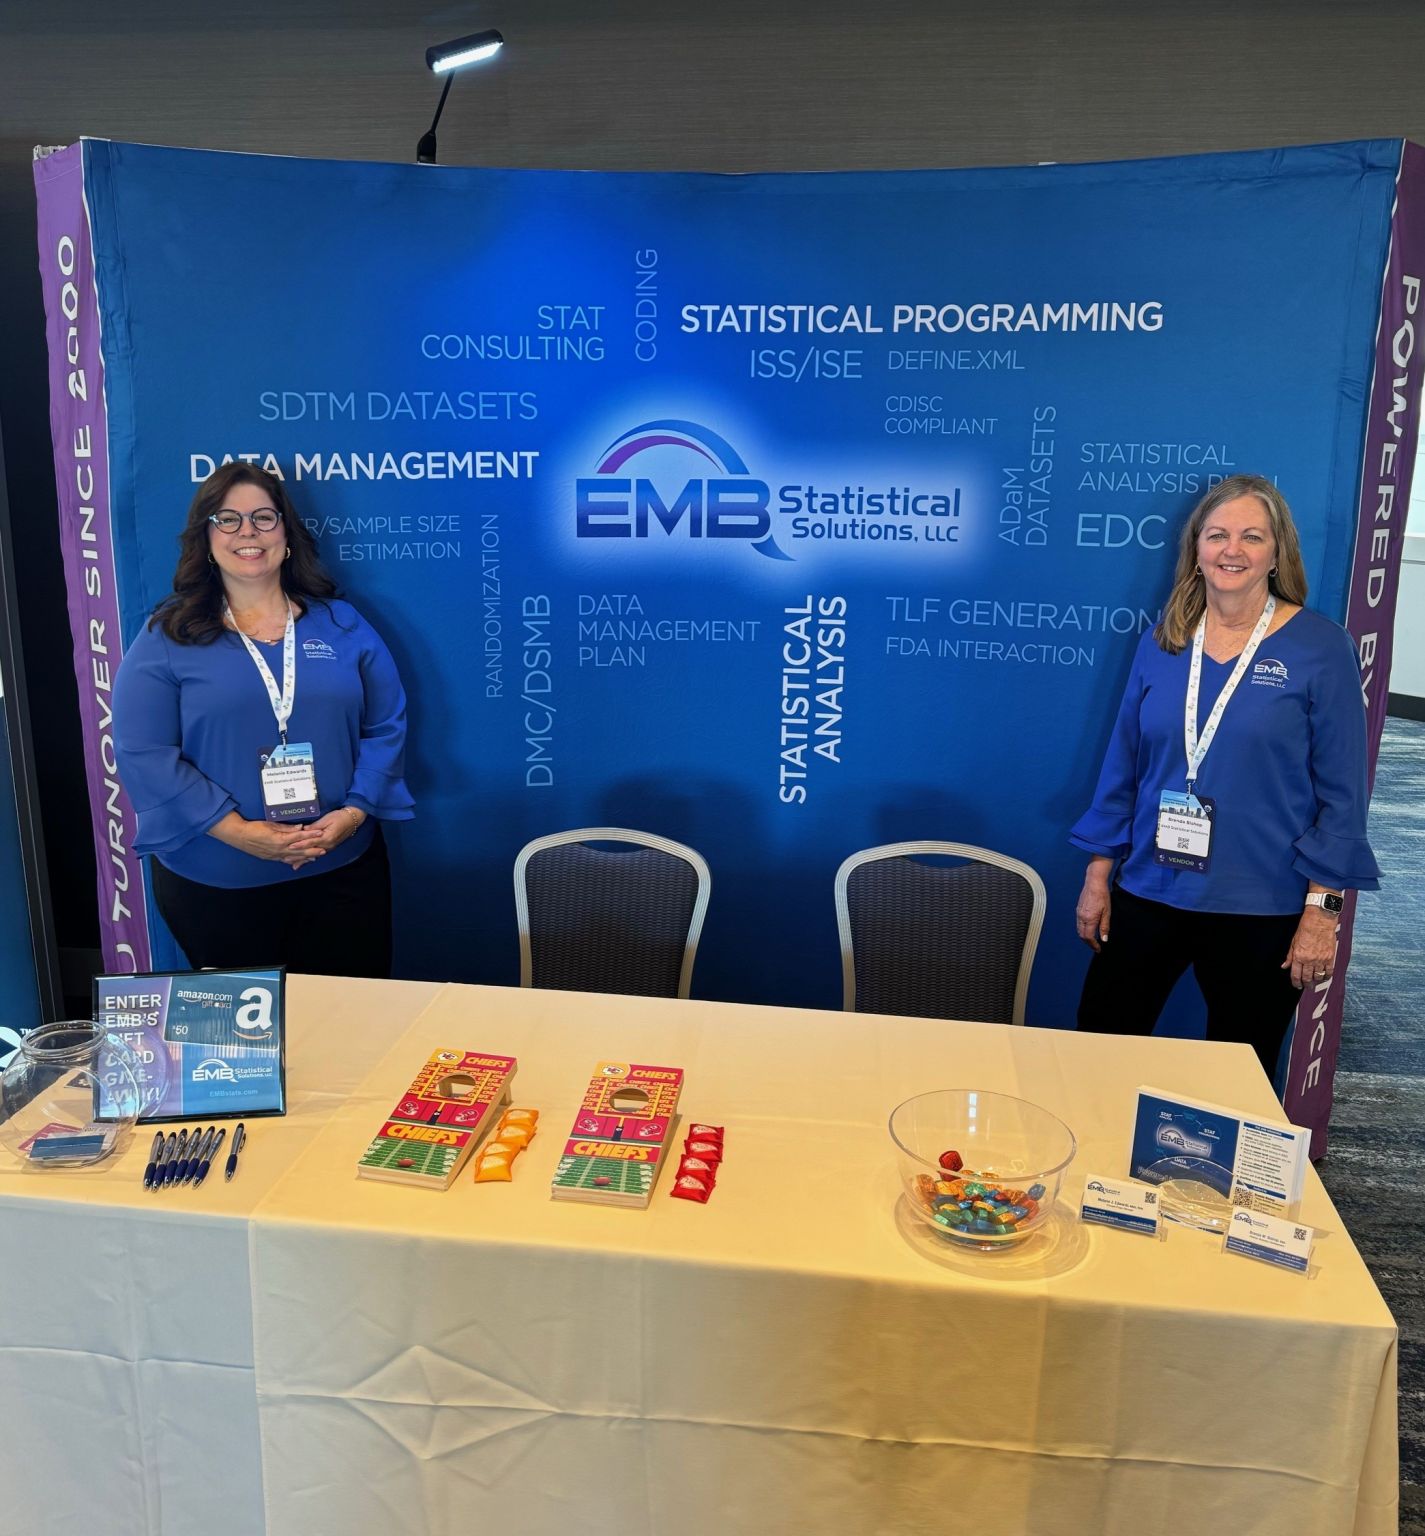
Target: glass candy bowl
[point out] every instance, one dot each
(69, 1096)
(1013, 1154)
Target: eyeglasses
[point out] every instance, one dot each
(263, 521)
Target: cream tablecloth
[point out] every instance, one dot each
(127, 1405)
(792, 1356)
(300, 1351)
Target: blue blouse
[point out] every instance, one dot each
(190, 720)
(1287, 773)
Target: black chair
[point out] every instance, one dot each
(937, 941)
(625, 919)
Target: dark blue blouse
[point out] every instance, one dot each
(1287, 773)
(190, 720)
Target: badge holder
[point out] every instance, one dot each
(1184, 839)
(289, 782)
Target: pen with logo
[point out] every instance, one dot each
(205, 1153)
(171, 1172)
(189, 1166)
(208, 1157)
(153, 1155)
(239, 1137)
(185, 1154)
(160, 1171)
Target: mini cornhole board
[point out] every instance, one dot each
(621, 1135)
(437, 1122)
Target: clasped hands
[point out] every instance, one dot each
(293, 845)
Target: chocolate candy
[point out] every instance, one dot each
(975, 1205)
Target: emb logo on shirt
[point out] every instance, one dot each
(318, 650)
(1270, 673)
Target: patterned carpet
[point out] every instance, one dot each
(1377, 1148)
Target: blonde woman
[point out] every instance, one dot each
(1230, 813)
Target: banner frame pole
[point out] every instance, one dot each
(15, 703)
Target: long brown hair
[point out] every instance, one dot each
(1188, 599)
(192, 614)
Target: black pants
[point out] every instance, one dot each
(336, 924)
(1235, 958)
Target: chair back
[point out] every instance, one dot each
(626, 919)
(938, 942)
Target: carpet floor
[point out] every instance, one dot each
(1375, 1163)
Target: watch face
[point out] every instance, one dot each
(1332, 903)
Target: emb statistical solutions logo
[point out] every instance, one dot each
(726, 501)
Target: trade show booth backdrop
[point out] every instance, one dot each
(780, 514)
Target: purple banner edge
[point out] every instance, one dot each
(1387, 464)
(79, 433)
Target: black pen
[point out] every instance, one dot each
(208, 1157)
(179, 1150)
(153, 1153)
(239, 1137)
(160, 1173)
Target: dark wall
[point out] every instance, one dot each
(619, 85)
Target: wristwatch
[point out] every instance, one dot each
(1328, 901)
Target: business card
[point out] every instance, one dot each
(1122, 1203)
(1271, 1239)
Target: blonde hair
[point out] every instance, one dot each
(1188, 599)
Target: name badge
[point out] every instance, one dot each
(1184, 830)
(289, 782)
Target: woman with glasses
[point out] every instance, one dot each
(260, 729)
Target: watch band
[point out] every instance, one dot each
(1328, 901)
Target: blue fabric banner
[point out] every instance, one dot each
(780, 515)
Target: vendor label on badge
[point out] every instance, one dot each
(1184, 838)
(289, 782)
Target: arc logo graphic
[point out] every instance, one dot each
(1173, 1136)
(213, 1071)
(722, 501)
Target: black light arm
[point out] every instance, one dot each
(445, 59)
(425, 150)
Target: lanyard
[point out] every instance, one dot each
(281, 702)
(1197, 745)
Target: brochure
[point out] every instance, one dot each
(1253, 1163)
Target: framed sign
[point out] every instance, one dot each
(208, 1043)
